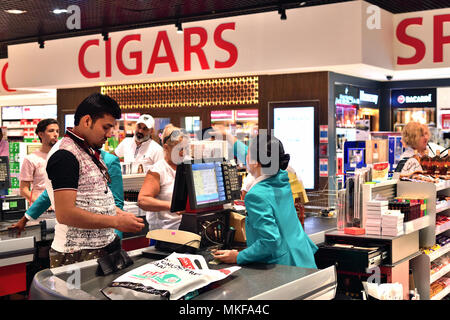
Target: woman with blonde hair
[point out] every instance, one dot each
(415, 136)
(155, 195)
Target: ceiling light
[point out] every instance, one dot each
(282, 13)
(179, 27)
(302, 3)
(59, 11)
(15, 11)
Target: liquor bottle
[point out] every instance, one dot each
(425, 162)
(436, 162)
(443, 165)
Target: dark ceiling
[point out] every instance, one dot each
(97, 16)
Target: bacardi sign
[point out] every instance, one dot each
(413, 98)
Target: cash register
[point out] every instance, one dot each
(201, 189)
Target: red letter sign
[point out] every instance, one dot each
(4, 83)
(162, 38)
(410, 41)
(84, 71)
(227, 46)
(197, 49)
(136, 55)
(439, 39)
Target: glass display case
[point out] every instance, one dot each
(401, 116)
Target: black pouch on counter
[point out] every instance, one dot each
(113, 262)
(116, 259)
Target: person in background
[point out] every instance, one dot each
(155, 195)
(32, 172)
(42, 203)
(77, 184)
(415, 137)
(141, 148)
(4, 145)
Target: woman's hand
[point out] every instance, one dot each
(226, 256)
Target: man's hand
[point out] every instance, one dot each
(20, 225)
(227, 256)
(128, 222)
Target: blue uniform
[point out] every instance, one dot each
(112, 162)
(274, 233)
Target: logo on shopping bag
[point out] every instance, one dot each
(160, 277)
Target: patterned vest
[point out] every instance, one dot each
(91, 197)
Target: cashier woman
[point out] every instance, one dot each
(274, 233)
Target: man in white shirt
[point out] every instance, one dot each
(141, 148)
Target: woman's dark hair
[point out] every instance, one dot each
(96, 106)
(43, 124)
(269, 152)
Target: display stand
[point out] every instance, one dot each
(404, 250)
(421, 265)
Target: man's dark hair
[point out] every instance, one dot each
(43, 124)
(97, 105)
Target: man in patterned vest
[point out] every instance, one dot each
(77, 185)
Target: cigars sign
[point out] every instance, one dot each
(136, 64)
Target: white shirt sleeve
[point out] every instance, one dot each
(156, 152)
(119, 151)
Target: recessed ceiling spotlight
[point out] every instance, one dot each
(59, 11)
(15, 11)
(302, 3)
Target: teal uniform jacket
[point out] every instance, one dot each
(112, 162)
(273, 230)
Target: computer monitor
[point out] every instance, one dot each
(199, 185)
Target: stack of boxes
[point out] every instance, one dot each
(375, 209)
(392, 223)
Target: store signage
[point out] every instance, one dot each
(413, 98)
(421, 39)
(161, 44)
(249, 44)
(222, 115)
(5, 86)
(346, 95)
(368, 97)
(248, 114)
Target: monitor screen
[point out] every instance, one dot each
(208, 183)
(295, 127)
(202, 184)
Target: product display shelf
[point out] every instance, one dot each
(442, 228)
(421, 265)
(439, 274)
(439, 253)
(386, 189)
(442, 207)
(389, 190)
(441, 294)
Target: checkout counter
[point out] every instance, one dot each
(251, 282)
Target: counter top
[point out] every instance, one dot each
(257, 281)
